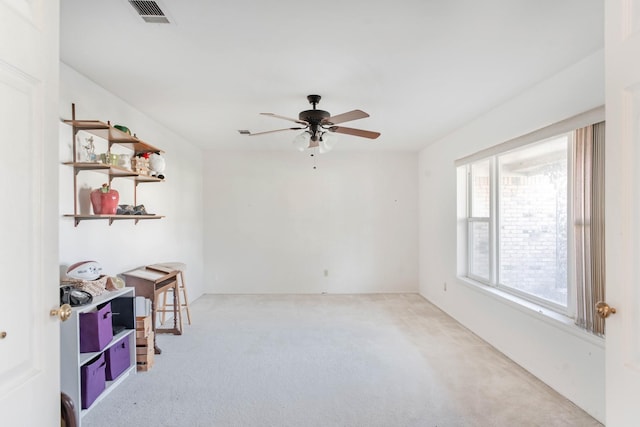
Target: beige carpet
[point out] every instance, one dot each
(330, 360)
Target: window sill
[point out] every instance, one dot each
(536, 311)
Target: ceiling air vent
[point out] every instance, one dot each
(149, 11)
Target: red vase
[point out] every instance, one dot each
(104, 203)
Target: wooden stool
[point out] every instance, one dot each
(182, 299)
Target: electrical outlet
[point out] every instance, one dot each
(445, 286)
(326, 273)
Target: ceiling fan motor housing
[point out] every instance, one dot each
(314, 116)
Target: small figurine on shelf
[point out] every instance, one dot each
(90, 150)
(157, 163)
(104, 200)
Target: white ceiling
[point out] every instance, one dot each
(420, 68)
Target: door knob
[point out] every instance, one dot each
(64, 312)
(603, 309)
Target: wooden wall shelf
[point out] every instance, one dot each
(112, 171)
(112, 136)
(112, 218)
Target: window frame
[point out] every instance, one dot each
(493, 220)
(470, 219)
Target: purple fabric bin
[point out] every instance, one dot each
(92, 380)
(96, 330)
(118, 358)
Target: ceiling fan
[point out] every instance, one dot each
(317, 125)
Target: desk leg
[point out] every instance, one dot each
(156, 349)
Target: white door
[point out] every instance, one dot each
(29, 336)
(622, 53)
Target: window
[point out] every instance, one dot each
(524, 210)
(532, 218)
(517, 221)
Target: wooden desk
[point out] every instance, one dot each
(151, 281)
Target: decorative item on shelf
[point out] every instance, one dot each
(124, 160)
(140, 210)
(114, 283)
(74, 297)
(123, 129)
(140, 164)
(131, 210)
(124, 210)
(104, 200)
(89, 150)
(85, 270)
(157, 163)
(94, 287)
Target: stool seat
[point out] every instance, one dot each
(182, 299)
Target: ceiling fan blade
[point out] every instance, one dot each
(346, 117)
(355, 132)
(302, 122)
(272, 131)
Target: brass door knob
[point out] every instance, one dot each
(603, 309)
(64, 312)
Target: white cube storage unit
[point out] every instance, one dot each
(74, 364)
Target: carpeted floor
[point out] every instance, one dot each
(330, 360)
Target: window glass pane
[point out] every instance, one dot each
(479, 249)
(533, 220)
(480, 189)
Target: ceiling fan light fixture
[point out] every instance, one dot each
(327, 142)
(321, 139)
(302, 140)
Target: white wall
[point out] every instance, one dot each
(124, 245)
(274, 224)
(569, 360)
